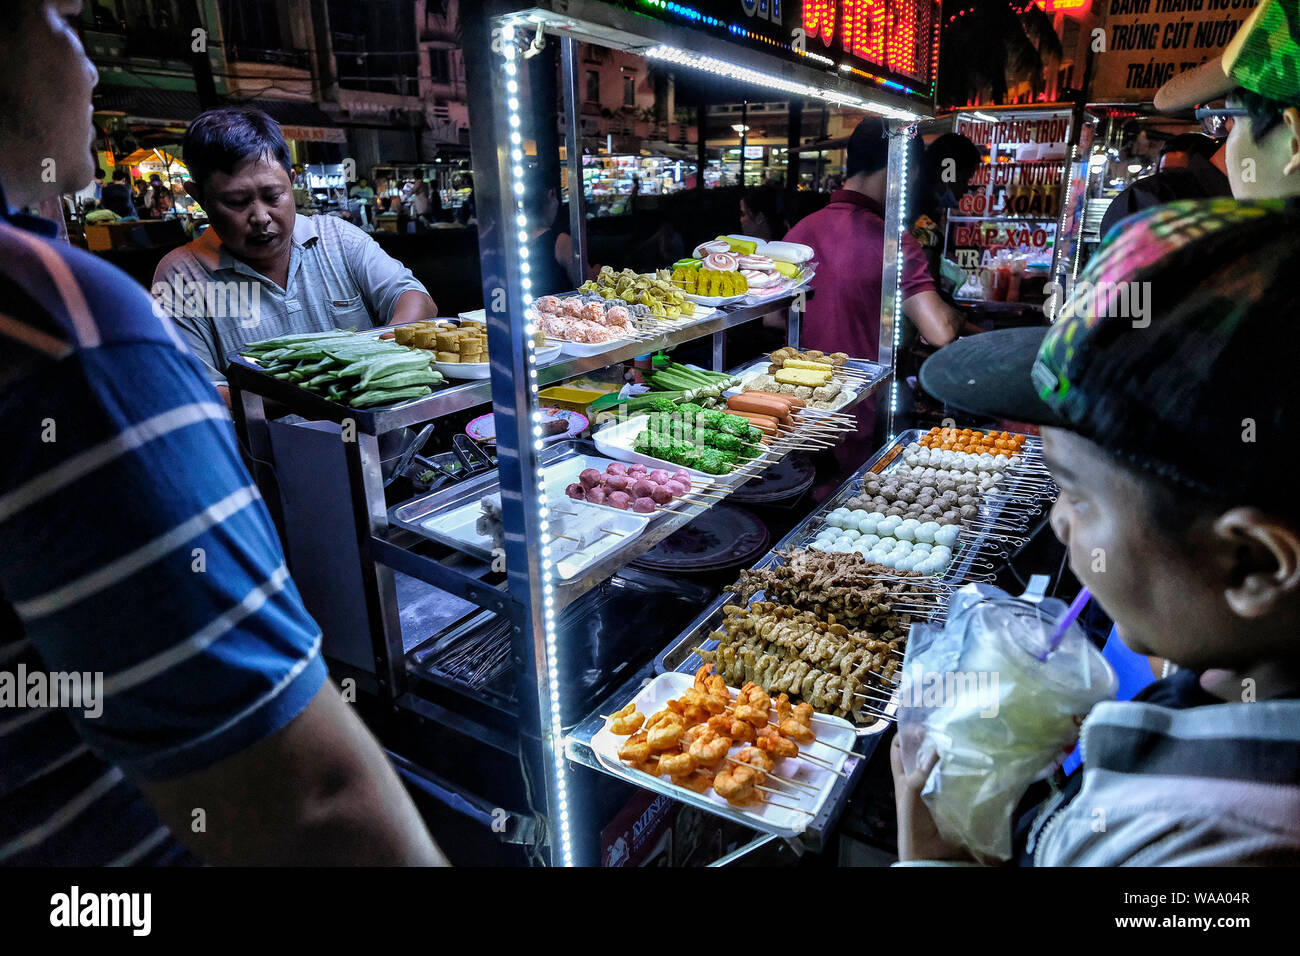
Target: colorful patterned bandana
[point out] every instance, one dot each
(1160, 342)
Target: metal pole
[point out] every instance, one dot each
(701, 146)
(573, 146)
(744, 136)
(891, 300)
(490, 143)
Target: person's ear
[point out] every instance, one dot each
(192, 190)
(1291, 116)
(1264, 566)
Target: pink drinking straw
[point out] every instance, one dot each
(1063, 625)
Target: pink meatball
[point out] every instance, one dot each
(659, 476)
(643, 505)
(637, 469)
(576, 490)
(642, 488)
(676, 488)
(682, 475)
(618, 482)
(619, 500)
(596, 495)
(618, 468)
(590, 478)
(661, 495)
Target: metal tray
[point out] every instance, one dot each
(681, 655)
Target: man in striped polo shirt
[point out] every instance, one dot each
(159, 677)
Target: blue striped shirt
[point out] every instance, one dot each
(133, 546)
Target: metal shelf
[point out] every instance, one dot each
(247, 376)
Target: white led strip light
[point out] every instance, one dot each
(561, 807)
(711, 64)
(898, 288)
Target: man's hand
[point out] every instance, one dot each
(918, 836)
(937, 321)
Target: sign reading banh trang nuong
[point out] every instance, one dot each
(1148, 42)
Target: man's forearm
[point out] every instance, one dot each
(413, 306)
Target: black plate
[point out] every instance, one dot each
(722, 537)
(788, 478)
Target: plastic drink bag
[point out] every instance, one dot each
(985, 693)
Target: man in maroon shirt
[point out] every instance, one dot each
(848, 237)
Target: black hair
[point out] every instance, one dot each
(99, 172)
(119, 174)
(766, 201)
(220, 139)
(868, 148)
(1194, 144)
(956, 147)
(1265, 113)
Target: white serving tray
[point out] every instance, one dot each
(833, 730)
(617, 438)
(457, 527)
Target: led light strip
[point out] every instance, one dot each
(898, 287)
(561, 807)
(722, 68)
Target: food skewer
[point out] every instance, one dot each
(781, 793)
(796, 783)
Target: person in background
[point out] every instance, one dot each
(1191, 166)
(90, 196)
(947, 166)
(760, 214)
(140, 195)
(117, 196)
(307, 274)
(362, 190)
(848, 238)
(1259, 75)
(214, 694)
(1142, 429)
(550, 250)
(426, 204)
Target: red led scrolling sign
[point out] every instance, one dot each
(886, 33)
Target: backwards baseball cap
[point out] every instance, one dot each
(1176, 351)
(1263, 56)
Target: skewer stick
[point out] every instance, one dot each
(797, 783)
(782, 793)
(620, 534)
(822, 762)
(803, 751)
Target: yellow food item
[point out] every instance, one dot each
(805, 363)
(803, 376)
(447, 342)
(404, 334)
(449, 357)
(787, 269)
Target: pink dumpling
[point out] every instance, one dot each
(596, 495)
(589, 477)
(658, 476)
(661, 495)
(618, 468)
(618, 482)
(643, 505)
(576, 490)
(643, 488)
(619, 500)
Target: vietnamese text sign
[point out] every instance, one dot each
(1148, 42)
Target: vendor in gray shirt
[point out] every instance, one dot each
(261, 270)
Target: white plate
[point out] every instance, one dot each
(846, 394)
(478, 315)
(830, 730)
(713, 301)
(616, 440)
(481, 370)
(457, 527)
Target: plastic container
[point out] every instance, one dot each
(574, 399)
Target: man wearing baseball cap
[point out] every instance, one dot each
(1172, 439)
(1259, 76)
